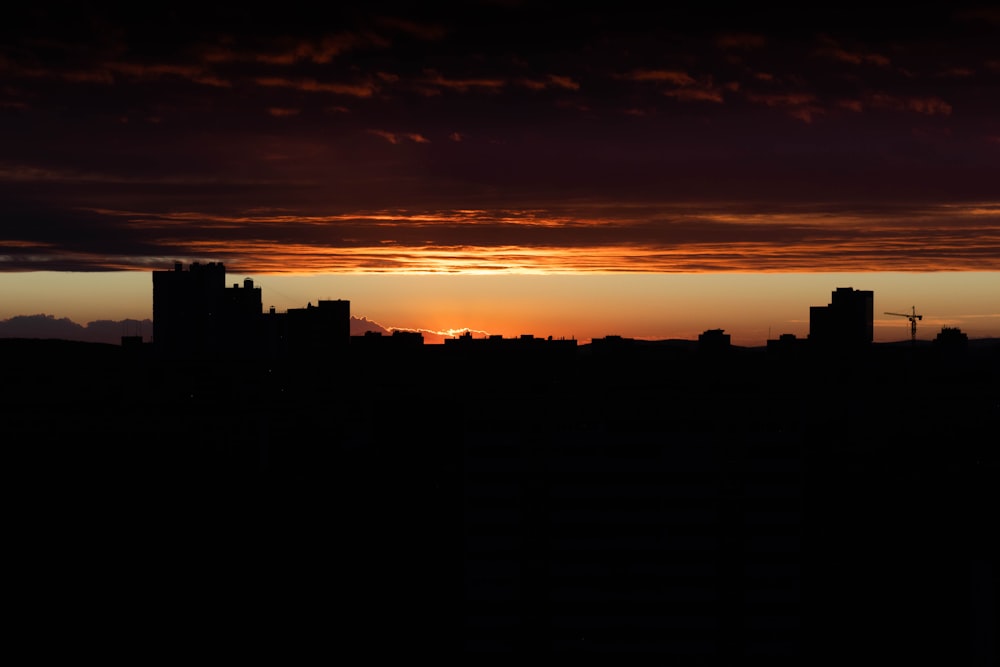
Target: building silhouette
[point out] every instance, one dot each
(847, 322)
(952, 338)
(713, 341)
(496, 356)
(195, 316)
(397, 340)
(315, 331)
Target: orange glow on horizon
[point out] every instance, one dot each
(751, 307)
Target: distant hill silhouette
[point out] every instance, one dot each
(48, 326)
(111, 331)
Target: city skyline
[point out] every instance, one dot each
(886, 326)
(509, 168)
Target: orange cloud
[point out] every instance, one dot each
(363, 90)
(695, 94)
(782, 99)
(675, 77)
(832, 50)
(902, 253)
(856, 58)
(433, 82)
(193, 73)
(16, 243)
(98, 74)
(931, 106)
(322, 50)
(664, 239)
(552, 81)
(802, 106)
(563, 82)
(851, 105)
(107, 73)
(218, 53)
(956, 73)
(319, 51)
(688, 88)
(396, 137)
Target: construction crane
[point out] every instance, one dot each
(913, 317)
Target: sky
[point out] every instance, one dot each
(508, 167)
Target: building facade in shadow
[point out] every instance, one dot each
(195, 316)
(846, 323)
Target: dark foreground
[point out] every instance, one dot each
(649, 508)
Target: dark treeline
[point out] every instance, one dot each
(664, 501)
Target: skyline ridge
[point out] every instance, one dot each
(42, 325)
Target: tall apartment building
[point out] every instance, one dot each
(846, 322)
(195, 316)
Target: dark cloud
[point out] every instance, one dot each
(131, 135)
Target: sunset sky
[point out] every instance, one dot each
(508, 167)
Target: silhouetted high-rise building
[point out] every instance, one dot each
(186, 308)
(847, 322)
(196, 316)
